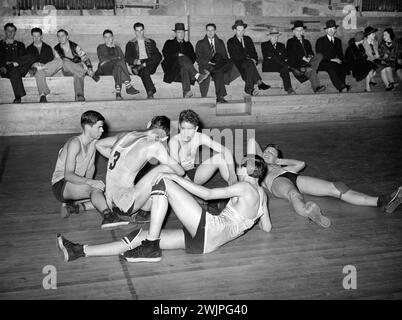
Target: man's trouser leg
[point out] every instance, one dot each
(311, 72)
(15, 76)
(78, 72)
(48, 70)
(146, 79)
(332, 68)
(204, 87)
(251, 76)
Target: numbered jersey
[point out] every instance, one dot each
(120, 179)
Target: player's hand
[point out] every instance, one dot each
(3, 70)
(98, 184)
(232, 178)
(162, 175)
(336, 60)
(90, 72)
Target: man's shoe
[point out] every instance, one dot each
(148, 251)
(320, 89)
(263, 86)
(395, 84)
(69, 208)
(150, 95)
(132, 90)
(188, 94)
(112, 220)
(118, 96)
(43, 99)
(17, 100)
(221, 100)
(96, 77)
(390, 87)
(291, 91)
(80, 98)
(396, 200)
(347, 87)
(71, 251)
(202, 77)
(32, 71)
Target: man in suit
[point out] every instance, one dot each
(213, 59)
(301, 59)
(332, 62)
(178, 63)
(275, 59)
(242, 51)
(14, 61)
(143, 57)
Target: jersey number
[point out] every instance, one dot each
(116, 157)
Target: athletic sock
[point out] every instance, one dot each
(83, 249)
(152, 239)
(118, 89)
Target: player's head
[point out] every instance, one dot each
(62, 36)
(253, 166)
(36, 34)
(108, 37)
(189, 122)
(92, 123)
(272, 153)
(10, 30)
(160, 124)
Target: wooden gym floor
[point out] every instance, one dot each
(296, 260)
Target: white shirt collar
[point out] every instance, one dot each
(331, 38)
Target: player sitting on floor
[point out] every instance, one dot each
(202, 231)
(284, 182)
(128, 153)
(75, 167)
(184, 148)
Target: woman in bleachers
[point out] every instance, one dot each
(370, 44)
(387, 50)
(357, 62)
(398, 62)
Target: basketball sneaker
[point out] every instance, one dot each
(71, 251)
(396, 200)
(148, 251)
(112, 220)
(315, 215)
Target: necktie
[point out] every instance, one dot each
(212, 47)
(372, 49)
(242, 42)
(301, 42)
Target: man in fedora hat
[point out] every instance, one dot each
(213, 58)
(178, 63)
(301, 58)
(275, 59)
(333, 60)
(242, 51)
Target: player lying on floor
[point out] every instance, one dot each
(284, 182)
(202, 231)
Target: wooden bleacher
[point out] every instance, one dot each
(271, 107)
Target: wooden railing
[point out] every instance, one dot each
(67, 4)
(381, 5)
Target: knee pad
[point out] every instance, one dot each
(159, 189)
(341, 187)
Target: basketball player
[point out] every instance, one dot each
(284, 182)
(128, 153)
(75, 167)
(202, 232)
(184, 149)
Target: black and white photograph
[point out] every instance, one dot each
(201, 155)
